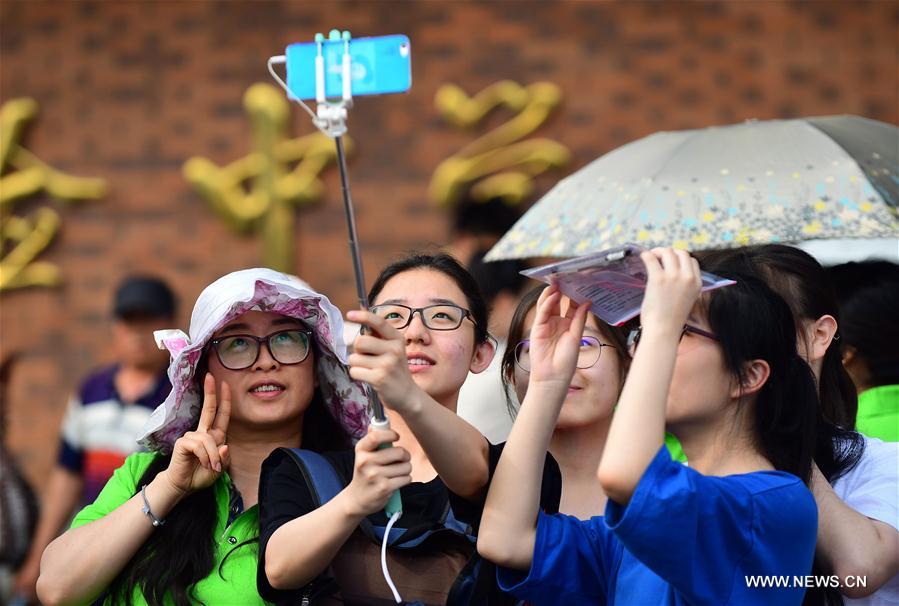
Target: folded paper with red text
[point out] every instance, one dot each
(612, 280)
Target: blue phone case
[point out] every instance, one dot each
(380, 65)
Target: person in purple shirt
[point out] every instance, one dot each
(721, 372)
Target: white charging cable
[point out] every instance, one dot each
(393, 519)
(281, 60)
(330, 117)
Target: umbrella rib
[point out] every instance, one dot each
(673, 154)
(851, 158)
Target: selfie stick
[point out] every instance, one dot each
(330, 119)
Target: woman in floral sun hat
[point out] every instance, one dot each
(263, 367)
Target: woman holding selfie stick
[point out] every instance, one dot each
(722, 372)
(262, 368)
(427, 332)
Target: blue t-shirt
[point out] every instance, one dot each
(684, 538)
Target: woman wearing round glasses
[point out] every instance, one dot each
(426, 331)
(580, 433)
(263, 367)
(732, 387)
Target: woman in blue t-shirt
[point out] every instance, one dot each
(738, 525)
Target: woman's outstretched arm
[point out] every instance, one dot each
(508, 525)
(638, 425)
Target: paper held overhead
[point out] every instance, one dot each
(612, 280)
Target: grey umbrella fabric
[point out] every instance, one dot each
(755, 182)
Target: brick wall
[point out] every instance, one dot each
(129, 90)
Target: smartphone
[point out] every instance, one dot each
(380, 65)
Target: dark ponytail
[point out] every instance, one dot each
(752, 322)
(804, 285)
(801, 281)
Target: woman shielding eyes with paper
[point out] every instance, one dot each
(719, 371)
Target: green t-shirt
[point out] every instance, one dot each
(674, 448)
(237, 582)
(878, 413)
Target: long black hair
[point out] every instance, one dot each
(448, 266)
(617, 336)
(804, 285)
(752, 322)
(182, 552)
(801, 281)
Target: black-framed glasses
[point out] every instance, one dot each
(588, 355)
(633, 338)
(436, 317)
(237, 352)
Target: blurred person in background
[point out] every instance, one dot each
(868, 297)
(18, 503)
(105, 416)
(478, 225)
(482, 400)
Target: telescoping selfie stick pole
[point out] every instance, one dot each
(330, 118)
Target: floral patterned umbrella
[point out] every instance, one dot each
(720, 187)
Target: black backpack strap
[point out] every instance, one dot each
(450, 521)
(322, 479)
(375, 532)
(324, 483)
(447, 521)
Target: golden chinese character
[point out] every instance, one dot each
(22, 239)
(501, 164)
(260, 191)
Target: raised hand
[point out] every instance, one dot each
(672, 287)
(556, 337)
(377, 472)
(200, 456)
(379, 359)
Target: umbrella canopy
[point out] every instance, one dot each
(720, 187)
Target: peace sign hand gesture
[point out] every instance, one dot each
(199, 457)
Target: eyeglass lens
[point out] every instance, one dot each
(435, 317)
(588, 355)
(633, 339)
(241, 351)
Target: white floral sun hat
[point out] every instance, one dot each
(229, 297)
